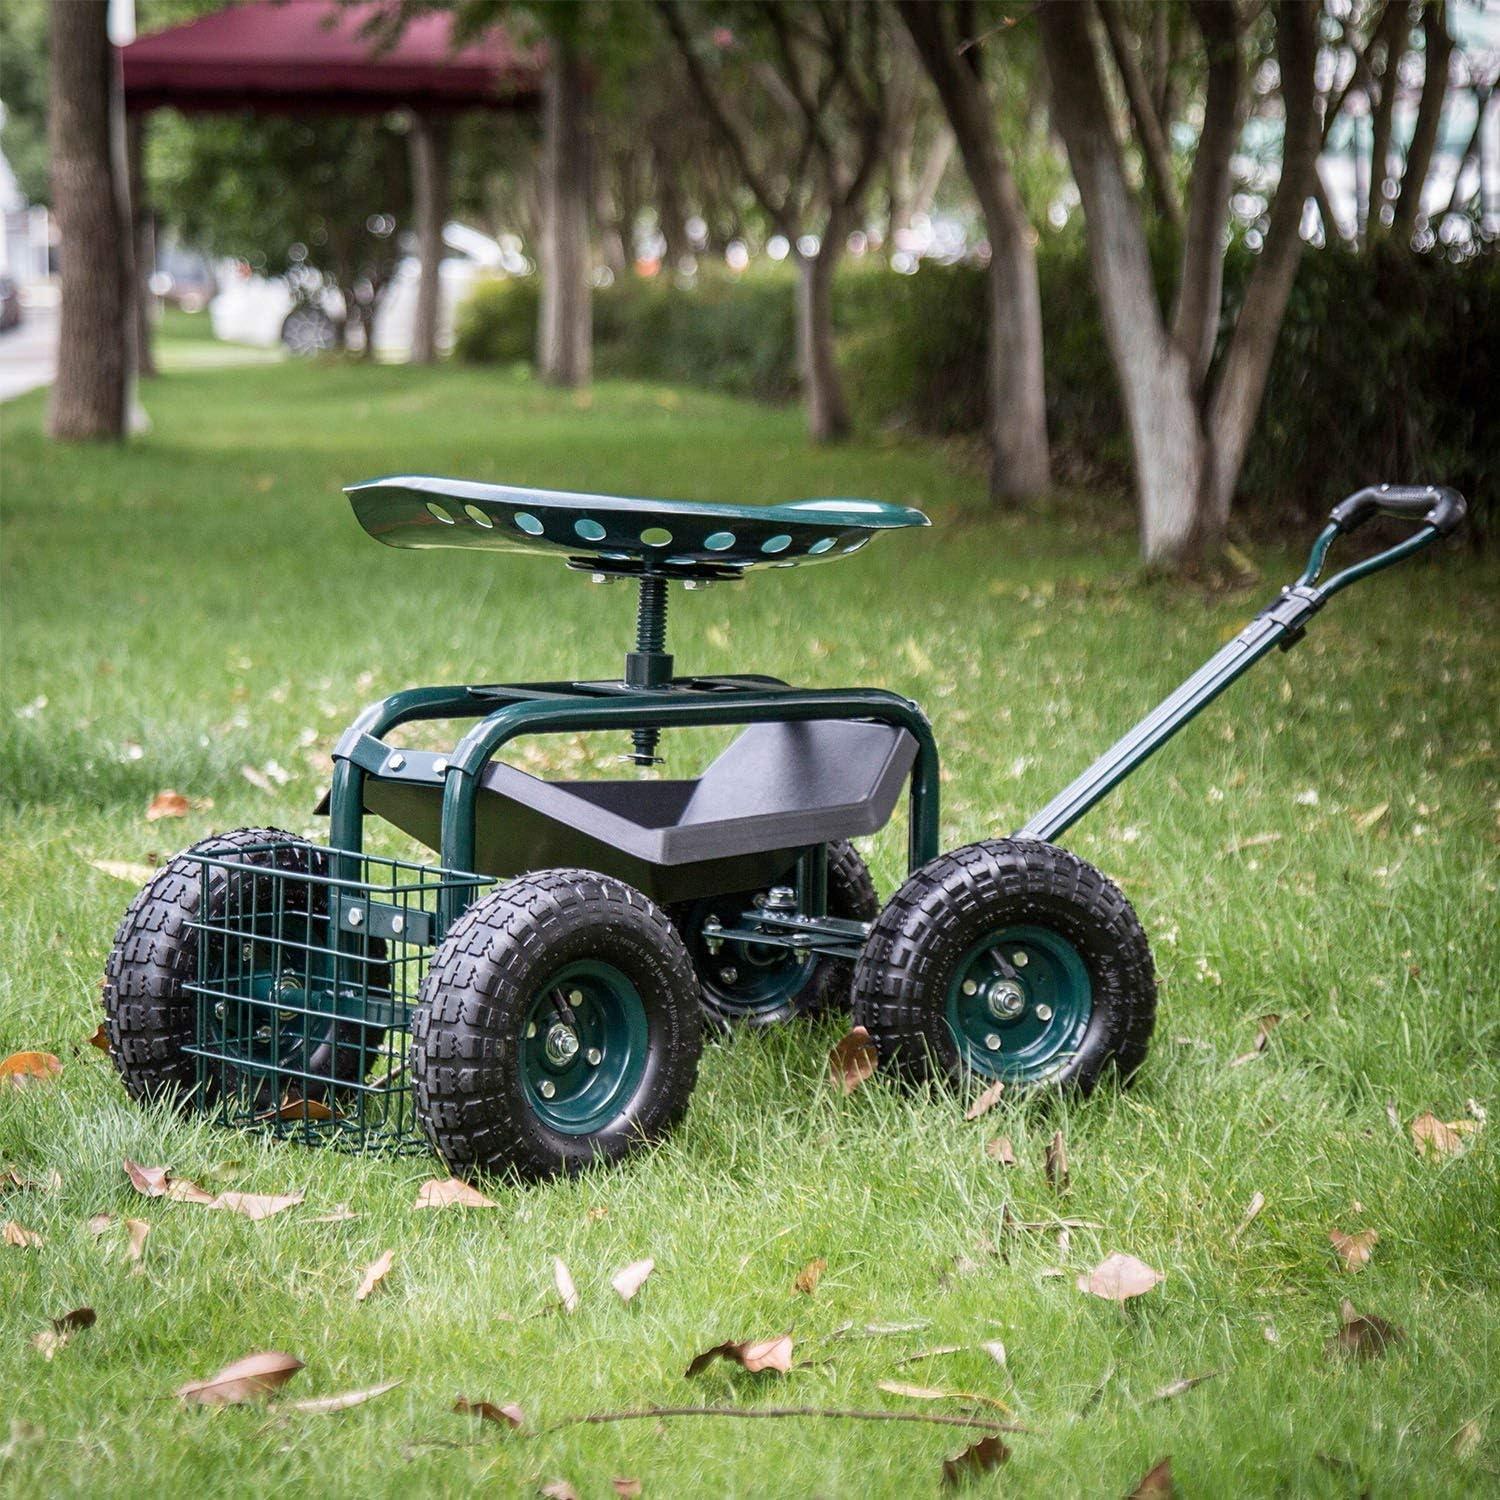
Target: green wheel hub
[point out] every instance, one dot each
(747, 980)
(1019, 1003)
(584, 1045)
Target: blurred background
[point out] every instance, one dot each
(1227, 258)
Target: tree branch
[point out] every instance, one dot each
(1148, 127)
(1429, 117)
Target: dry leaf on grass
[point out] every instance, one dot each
(1181, 1387)
(1363, 1335)
(632, 1278)
(1467, 1439)
(100, 1038)
(1055, 1163)
(567, 1290)
(985, 1102)
(852, 1060)
(754, 1355)
(99, 1223)
(936, 1352)
(342, 1214)
(1263, 1030)
(11, 1181)
(1118, 1277)
(50, 1340)
(1371, 816)
(254, 1205)
(934, 1393)
(509, 1415)
(451, 1192)
(558, 1489)
(978, 1458)
(319, 1405)
(810, 1275)
(1435, 1138)
(629, 1488)
(167, 804)
(21, 1068)
(250, 1379)
(19, 1237)
(1156, 1482)
(1354, 1249)
(124, 869)
(298, 1109)
(1000, 1150)
(1257, 1202)
(995, 1349)
(158, 1182)
(374, 1274)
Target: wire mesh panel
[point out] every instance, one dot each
(308, 964)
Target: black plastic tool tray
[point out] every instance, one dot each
(777, 789)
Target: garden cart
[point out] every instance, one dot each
(536, 1000)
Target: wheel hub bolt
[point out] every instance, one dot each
(970, 987)
(562, 1044)
(531, 1031)
(992, 1042)
(1019, 960)
(595, 1057)
(547, 1088)
(729, 975)
(1044, 1013)
(1005, 1000)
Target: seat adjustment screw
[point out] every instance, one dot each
(1044, 1013)
(546, 1088)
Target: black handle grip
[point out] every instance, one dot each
(1433, 504)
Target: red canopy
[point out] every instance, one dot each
(303, 55)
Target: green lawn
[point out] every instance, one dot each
(203, 601)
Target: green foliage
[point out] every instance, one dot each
(23, 88)
(1386, 366)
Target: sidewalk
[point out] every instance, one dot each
(28, 354)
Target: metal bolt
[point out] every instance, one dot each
(356, 916)
(594, 1056)
(440, 767)
(575, 997)
(1019, 960)
(546, 1088)
(562, 1044)
(219, 1011)
(970, 987)
(992, 1042)
(398, 923)
(729, 975)
(247, 951)
(1006, 999)
(396, 763)
(531, 1031)
(1044, 1013)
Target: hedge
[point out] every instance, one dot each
(1387, 366)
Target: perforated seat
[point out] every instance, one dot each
(613, 534)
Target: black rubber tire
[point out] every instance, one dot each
(943, 909)
(467, 1027)
(851, 895)
(148, 1016)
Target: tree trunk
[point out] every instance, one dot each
(565, 335)
(90, 392)
(827, 411)
(1391, 36)
(429, 142)
(1017, 394)
(145, 244)
(1439, 48)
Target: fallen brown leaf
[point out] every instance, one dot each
(158, 1182)
(1254, 841)
(1371, 816)
(562, 1278)
(852, 1060)
(21, 1068)
(558, 1489)
(451, 1192)
(100, 1038)
(1263, 1030)
(249, 1379)
(1257, 1202)
(985, 1102)
(1181, 1387)
(11, 1181)
(509, 1415)
(936, 1352)
(1156, 1482)
(50, 1340)
(1118, 1277)
(810, 1275)
(319, 1405)
(1055, 1163)
(340, 1215)
(99, 1223)
(754, 1355)
(124, 869)
(1363, 1335)
(298, 1109)
(1000, 1150)
(913, 1392)
(19, 1237)
(167, 804)
(1354, 1249)
(375, 1273)
(995, 1349)
(1435, 1138)
(978, 1458)
(1467, 1439)
(629, 1281)
(629, 1488)
(254, 1205)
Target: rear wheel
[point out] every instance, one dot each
(759, 983)
(1009, 960)
(558, 1025)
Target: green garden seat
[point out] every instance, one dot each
(611, 534)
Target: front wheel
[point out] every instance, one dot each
(557, 1025)
(1009, 960)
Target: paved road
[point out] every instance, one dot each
(28, 354)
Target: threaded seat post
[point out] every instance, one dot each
(650, 664)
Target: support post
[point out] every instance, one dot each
(429, 146)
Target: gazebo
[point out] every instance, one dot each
(323, 56)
